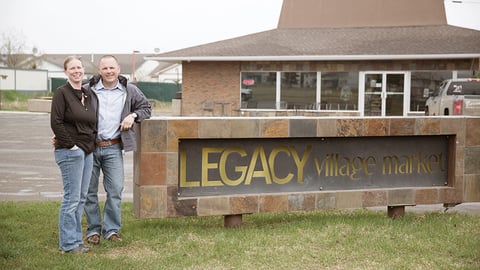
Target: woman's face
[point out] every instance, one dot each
(74, 71)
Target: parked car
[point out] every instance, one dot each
(246, 94)
(455, 97)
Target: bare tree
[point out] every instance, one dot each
(12, 49)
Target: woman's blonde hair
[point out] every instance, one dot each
(68, 59)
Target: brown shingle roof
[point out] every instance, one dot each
(341, 43)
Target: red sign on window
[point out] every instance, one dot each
(248, 82)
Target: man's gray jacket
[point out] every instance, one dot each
(135, 102)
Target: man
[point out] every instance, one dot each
(119, 106)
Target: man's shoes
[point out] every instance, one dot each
(78, 250)
(94, 239)
(115, 238)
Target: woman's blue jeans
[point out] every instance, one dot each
(76, 169)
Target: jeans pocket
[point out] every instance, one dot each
(65, 154)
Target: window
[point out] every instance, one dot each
(298, 90)
(339, 91)
(465, 74)
(464, 88)
(258, 90)
(423, 84)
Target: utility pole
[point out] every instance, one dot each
(134, 78)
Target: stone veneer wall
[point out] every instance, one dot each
(156, 163)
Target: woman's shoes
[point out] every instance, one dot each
(78, 250)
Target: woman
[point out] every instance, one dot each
(73, 121)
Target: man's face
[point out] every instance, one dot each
(109, 70)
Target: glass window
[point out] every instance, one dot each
(258, 90)
(465, 74)
(464, 88)
(298, 90)
(339, 91)
(423, 84)
(373, 94)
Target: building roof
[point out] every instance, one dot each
(356, 43)
(90, 61)
(145, 70)
(346, 30)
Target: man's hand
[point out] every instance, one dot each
(128, 122)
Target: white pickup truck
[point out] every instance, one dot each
(455, 97)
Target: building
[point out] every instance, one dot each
(132, 64)
(330, 58)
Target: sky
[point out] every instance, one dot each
(119, 26)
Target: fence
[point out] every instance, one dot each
(152, 90)
(23, 80)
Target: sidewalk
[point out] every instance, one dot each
(28, 171)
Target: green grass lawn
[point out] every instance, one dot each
(359, 239)
(14, 101)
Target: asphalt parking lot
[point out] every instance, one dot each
(27, 165)
(28, 171)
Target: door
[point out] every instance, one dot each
(383, 94)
